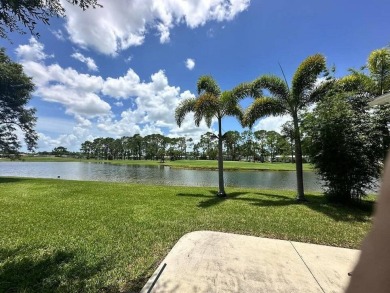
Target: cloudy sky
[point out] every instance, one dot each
(122, 69)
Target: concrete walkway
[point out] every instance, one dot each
(220, 262)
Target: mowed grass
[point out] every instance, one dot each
(237, 165)
(187, 164)
(43, 159)
(74, 236)
(213, 165)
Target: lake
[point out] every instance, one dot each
(157, 175)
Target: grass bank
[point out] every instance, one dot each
(186, 164)
(73, 236)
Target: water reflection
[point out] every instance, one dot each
(161, 175)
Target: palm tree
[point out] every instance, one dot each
(286, 100)
(378, 64)
(210, 103)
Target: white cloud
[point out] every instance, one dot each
(77, 92)
(190, 63)
(164, 33)
(87, 60)
(122, 23)
(271, 123)
(75, 101)
(31, 52)
(58, 34)
(122, 87)
(154, 101)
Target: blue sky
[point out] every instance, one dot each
(122, 69)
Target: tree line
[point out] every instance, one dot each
(259, 146)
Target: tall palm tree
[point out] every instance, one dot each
(210, 103)
(285, 100)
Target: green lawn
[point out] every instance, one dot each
(188, 164)
(73, 236)
(43, 159)
(234, 165)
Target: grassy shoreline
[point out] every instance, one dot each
(81, 236)
(183, 164)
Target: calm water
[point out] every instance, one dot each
(156, 175)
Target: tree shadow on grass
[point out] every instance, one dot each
(135, 285)
(269, 199)
(212, 199)
(4, 180)
(354, 212)
(360, 212)
(40, 270)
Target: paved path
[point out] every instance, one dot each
(220, 262)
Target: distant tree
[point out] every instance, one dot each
(16, 14)
(207, 146)
(247, 144)
(190, 145)
(98, 152)
(173, 150)
(196, 151)
(59, 151)
(181, 147)
(137, 146)
(15, 93)
(261, 141)
(87, 149)
(285, 100)
(116, 149)
(232, 139)
(211, 103)
(288, 133)
(155, 146)
(275, 144)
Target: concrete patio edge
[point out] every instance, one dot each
(206, 261)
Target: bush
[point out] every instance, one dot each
(344, 148)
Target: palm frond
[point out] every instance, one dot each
(226, 101)
(229, 105)
(262, 107)
(206, 106)
(207, 116)
(198, 116)
(317, 93)
(206, 84)
(274, 84)
(379, 62)
(356, 82)
(236, 111)
(242, 91)
(306, 75)
(186, 106)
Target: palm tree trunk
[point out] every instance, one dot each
(221, 185)
(298, 159)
